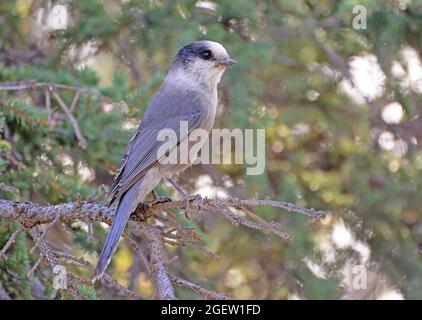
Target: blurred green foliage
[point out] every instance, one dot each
(322, 145)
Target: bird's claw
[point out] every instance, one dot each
(194, 197)
(158, 198)
(162, 199)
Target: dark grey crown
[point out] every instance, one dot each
(197, 49)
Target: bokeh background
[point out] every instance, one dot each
(340, 105)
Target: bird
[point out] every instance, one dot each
(188, 93)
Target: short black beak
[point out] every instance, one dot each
(226, 61)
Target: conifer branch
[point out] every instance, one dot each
(168, 230)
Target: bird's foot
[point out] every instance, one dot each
(158, 198)
(193, 197)
(162, 199)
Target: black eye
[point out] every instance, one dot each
(206, 54)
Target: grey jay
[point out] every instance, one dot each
(188, 93)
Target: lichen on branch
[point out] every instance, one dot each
(168, 231)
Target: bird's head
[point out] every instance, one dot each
(203, 61)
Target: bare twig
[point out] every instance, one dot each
(48, 106)
(34, 267)
(11, 240)
(5, 187)
(33, 84)
(75, 101)
(15, 158)
(72, 120)
(46, 252)
(138, 251)
(338, 62)
(207, 294)
(44, 233)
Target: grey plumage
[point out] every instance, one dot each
(188, 93)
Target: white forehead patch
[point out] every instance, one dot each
(217, 49)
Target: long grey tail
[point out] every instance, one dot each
(121, 217)
(127, 205)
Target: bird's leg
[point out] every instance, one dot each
(182, 192)
(185, 196)
(158, 198)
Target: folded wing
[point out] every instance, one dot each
(166, 111)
